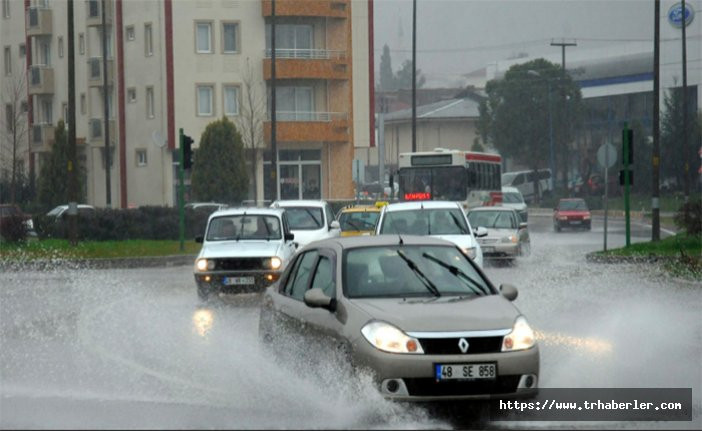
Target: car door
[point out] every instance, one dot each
(289, 247)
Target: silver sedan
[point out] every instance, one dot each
(507, 235)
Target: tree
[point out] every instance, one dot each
(387, 77)
(403, 78)
(14, 128)
(672, 156)
(515, 116)
(250, 120)
(219, 171)
(53, 176)
(477, 146)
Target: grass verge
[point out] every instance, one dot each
(58, 248)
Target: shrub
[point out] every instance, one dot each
(13, 229)
(689, 217)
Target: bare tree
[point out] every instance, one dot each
(251, 117)
(14, 125)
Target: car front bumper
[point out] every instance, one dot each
(221, 281)
(500, 250)
(406, 377)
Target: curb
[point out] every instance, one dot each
(119, 263)
(595, 257)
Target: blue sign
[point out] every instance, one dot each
(675, 15)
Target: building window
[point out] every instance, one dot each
(47, 114)
(81, 43)
(5, 8)
(148, 40)
(294, 103)
(231, 100)
(9, 117)
(203, 38)
(8, 61)
(130, 32)
(204, 100)
(141, 157)
(150, 102)
(131, 95)
(93, 9)
(22, 50)
(60, 47)
(230, 37)
(64, 109)
(82, 103)
(292, 39)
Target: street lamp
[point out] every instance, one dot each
(550, 126)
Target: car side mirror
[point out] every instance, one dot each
(334, 225)
(480, 232)
(316, 298)
(508, 291)
(522, 225)
(199, 239)
(289, 236)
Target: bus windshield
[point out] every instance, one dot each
(438, 183)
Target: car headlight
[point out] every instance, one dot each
(205, 265)
(562, 217)
(586, 217)
(274, 262)
(511, 238)
(383, 336)
(470, 251)
(521, 337)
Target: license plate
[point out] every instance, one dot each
(575, 221)
(465, 371)
(488, 249)
(229, 281)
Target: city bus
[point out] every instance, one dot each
(463, 176)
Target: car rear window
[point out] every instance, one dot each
(359, 220)
(305, 218)
(572, 205)
(492, 219)
(443, 221)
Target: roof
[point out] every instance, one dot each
(446, 109)
(247, 210)
(415, 205)
(298, 203)
(360, 208)
(492, 208)
(347, 242)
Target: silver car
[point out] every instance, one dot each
(415, 311)
(507, 235)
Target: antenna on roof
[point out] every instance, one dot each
(401, 241)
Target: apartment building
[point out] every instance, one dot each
(183, 64)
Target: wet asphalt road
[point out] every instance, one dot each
(133, 348)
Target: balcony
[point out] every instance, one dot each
(39, 21)
(307, 64)
(95, 72)
(42, 136)
(95, 131)
(41, 80)
(296, 126)
(93, 13)
(316, 8)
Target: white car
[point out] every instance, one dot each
(512, 198)
(244, 250)
(61, 210)
(310, 220)
(439, 219)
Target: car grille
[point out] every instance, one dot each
(239, 264)
(488, 241)
(429, 387)
(449, 346)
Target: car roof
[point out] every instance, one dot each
(299, 203)
(248, 210)
(361, 208)
(495, 208)
(509, 189)
(571, 199)
(349, 242)
(415, 205)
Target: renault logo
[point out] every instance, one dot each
(463, 345)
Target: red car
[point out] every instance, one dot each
(571, 213)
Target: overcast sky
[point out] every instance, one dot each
(455, 37)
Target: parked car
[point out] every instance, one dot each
(359, 219)
(62, 210)
(572, 213)
(440, 219)
(524, 181)
(512, 198)
(416, 312)
(310, 220)
(7, 211)
(507, 235)
(244, 250)
(206, 206)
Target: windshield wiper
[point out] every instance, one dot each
(431, 287)
(268, 231)
(474, 285)
(353, 224)
(317, 222)
(457, 223)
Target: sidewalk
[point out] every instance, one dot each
(121, 263)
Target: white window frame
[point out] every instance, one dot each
(199, 113)
(81, 43)
(7, 60)
(237, 42)
(148, 40)
(5, 8)
(129, 32)
(225, 109)
(150, 102)
(139, 160)
(210, 43)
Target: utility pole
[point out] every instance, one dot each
(655, 206)
(181, 190)
(626, 144)
(72, 165)
(274, 143)
(108, 158)
(564, 151)
(414, 75)
(686, 169)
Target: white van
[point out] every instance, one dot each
(524, 181)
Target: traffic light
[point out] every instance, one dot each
(628, 136)
(621, 177)
(187, 152)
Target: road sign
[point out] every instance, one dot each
(602, 156)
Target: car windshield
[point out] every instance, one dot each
(512, 198)
(305, 218)
(358, 220)
(572, 206)
(243, 227)
(508, 177)
(387, 271)
(56, 211)
(443, 221)
(492, 219)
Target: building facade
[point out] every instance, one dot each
(183, 64)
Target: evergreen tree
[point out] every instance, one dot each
(403, 78)
(387, 77)
(53, 176)
(673, 157)
(219, 170)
